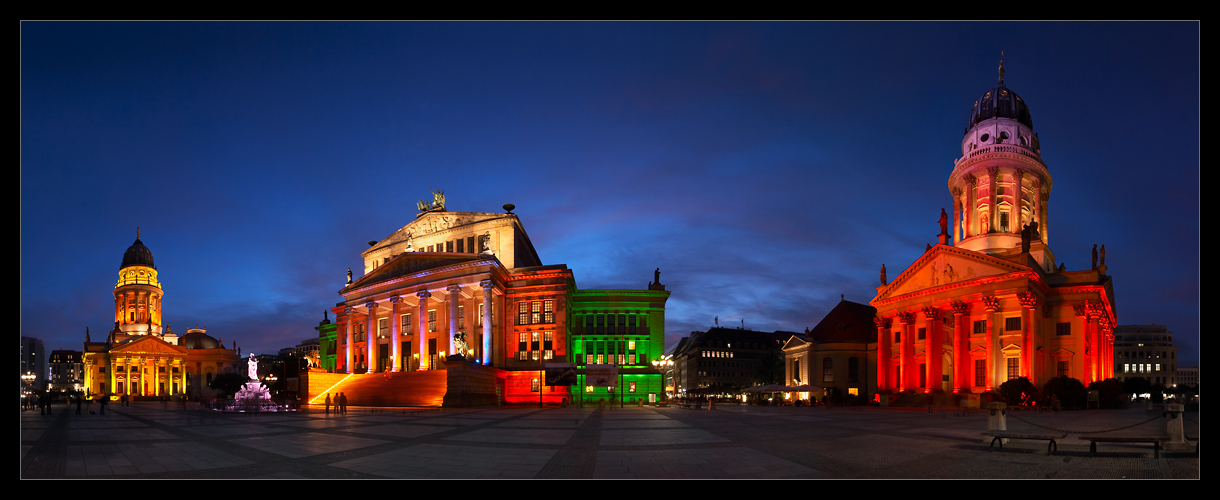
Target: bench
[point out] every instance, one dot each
(1000, 436)
(1155, 439)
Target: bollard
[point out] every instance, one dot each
(1173, 424)
(639, 403)
(997, 420)
(711, 404)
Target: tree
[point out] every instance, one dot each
(228, 383)
(1071, 392)
(771, 367)
(1109, 392)
(1018, 392)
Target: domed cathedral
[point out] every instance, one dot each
(987, 303)
(456, 308)
(140, 357)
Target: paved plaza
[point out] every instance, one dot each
(152, 441)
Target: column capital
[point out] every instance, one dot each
(907, 317)
(931, 313)
(423, 294)
(486, 284)
(1029, 300)
(348, 310)
(1081, 309)
(960, 308)
(452, 289)
(371, 305)
(883, 322)
(991, 303)
(395, 299)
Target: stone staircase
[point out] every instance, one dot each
(418, 388)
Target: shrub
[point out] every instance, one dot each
(1071, 393)
(1018, 392)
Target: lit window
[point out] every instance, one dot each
(461, 319)
(523, 316)
(406, 323)
(548, 311)
(533, 385)
(1012, 324)
(631, 344)
(589, 359)
(1014, 368)
(432, 320)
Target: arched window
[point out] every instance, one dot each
(853, 369)
(828, 373)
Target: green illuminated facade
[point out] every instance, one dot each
(327, 340)
(623, 327)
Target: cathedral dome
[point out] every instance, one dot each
(1000, 102)
(138, 255)
(195, 338)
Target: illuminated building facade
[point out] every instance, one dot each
(840, 353)
(471, 283)
(987, 303)
(66, 371)
(34, 362)
(328, 344)
(1145, 351)
(724, 359)
(140, 358)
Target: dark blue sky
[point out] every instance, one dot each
(766, 168)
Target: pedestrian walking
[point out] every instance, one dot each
(78, 405)
(343, 403)
(328, 403)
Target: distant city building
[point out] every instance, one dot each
(840, 353)
(988, 303)
(726, 360)
(1188, 376)
(34, 362)
(139, 357)
(67, 371)
(1145, 351)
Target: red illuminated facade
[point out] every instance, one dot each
(988, 303)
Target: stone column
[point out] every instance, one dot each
(453, 290)
(992, 304)
(907, 350)
(957, 214)
(884, 368)
(1044, 223)
(1095, 316)
(370, 337)
(972, 208)
(933, 347)
(1029, 334)
(423, 329)
(993, 181)
(1018, 201)
(961, 346)
(487, 289)
(395, 330)
(349, 313)
(1036, 182)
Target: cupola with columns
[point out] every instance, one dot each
(1000, 184)
(137, 295)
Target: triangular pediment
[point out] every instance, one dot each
(147, 344)
(945, 265)
(432, 222)
(412, 263)
(794, 342)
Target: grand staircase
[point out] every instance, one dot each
(418, 388)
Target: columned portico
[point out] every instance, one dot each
(370, 337)
(395, 331)
(487, 291)
(961, 346)
(885, 380)
(992, 306)
(422, 314)
(348, 332)
(907, 350)
(933, 347)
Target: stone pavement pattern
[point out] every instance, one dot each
(148, 440)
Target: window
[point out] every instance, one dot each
(1063, 329)
(897, 337)
(522, 345)
(853, 369)
(449, 246)
(461, 319)
(1004, 221)
(980, 326)
(548, 311)
(631, 359)
(1012, 324)
(470, 244)
(548, 341)
(600, 359)
(432, 320)
(631, 345)
(828, 373)
(461, 246)
(533, 385)
(383, 328)
(523, 317)
(1014, 368)
(589, 359)
(923, 374)
(923, 334)
(980, 372)
(1061, 369)
(479, 319)
(406, 323)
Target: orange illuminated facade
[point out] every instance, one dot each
(988, 303)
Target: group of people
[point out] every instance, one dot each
(340, 403)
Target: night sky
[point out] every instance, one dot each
(765, 168)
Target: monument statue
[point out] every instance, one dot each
(1026, 235)
(1103, 255)
(459, 344)
(944, 222)
(883, 281)
(252, 367)
(656, 276)
(1094, 256)
(349, 275)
